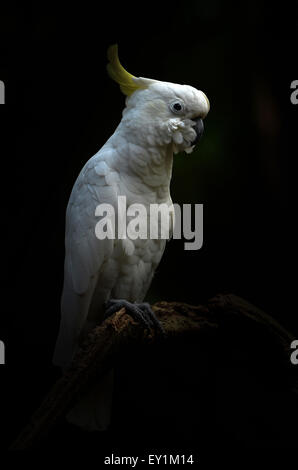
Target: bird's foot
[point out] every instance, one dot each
(141, 312)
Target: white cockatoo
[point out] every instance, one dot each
(159, 119)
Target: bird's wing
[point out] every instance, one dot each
(85, 254)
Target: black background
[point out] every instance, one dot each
(61, 107)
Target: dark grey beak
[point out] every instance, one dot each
(199, 128)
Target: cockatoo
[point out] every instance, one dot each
(103, 275)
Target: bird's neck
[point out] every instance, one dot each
(149, 164)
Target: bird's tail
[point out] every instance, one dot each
(74, 311)
(93, 411)
(68, 331)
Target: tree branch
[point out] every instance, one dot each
(222, 314)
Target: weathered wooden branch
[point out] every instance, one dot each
(222, 314)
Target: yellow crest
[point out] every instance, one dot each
(118, 73)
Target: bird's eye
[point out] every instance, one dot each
(177, 107)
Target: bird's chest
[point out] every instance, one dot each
(132, 266)
(144, 221)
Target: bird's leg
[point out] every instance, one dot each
(141, 312)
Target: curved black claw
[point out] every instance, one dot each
(146, 308)
(141, 312)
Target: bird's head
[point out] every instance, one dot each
(160, 112)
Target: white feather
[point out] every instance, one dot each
(136, 162)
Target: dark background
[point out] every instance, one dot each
(61, 107)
